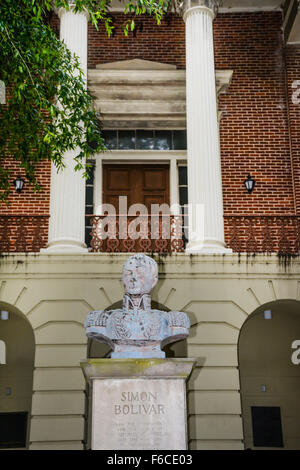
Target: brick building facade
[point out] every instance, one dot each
(242, 294)
(259, 124)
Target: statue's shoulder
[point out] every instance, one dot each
(97, 318)
(178, 319)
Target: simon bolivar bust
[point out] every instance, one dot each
(136, 330)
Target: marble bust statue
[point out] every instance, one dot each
(137, 330)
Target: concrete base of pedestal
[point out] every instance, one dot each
(138, 403)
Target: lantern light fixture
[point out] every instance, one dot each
(268, 314)
(19, 184)
(249, 184)
(4, 315)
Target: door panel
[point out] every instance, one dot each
(118, 179)
(143, 184)
(154, 179)
(155, 199)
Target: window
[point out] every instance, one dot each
(2, 352)
(89, 203)
(145, 139)
(13, 427)
(266, 425)
(183, 196)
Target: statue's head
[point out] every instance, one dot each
(140, 274)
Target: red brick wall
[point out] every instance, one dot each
(254, 129)
(28, 202)
(293, 75)
(165, 43)
(254, 126)
(24, 221)
(21, 229)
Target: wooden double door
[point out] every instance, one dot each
(143, 184)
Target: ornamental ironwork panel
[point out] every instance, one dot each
(263, 234)
(23, 233)
(126, 234)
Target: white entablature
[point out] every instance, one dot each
(140, 93)
(226, 6)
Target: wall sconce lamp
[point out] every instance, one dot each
(19, 183)
(4, 315)
(249, 184)
(268, 314)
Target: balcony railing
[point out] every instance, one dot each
(263, 234)
(244, 234)
(23, 233)
(157, 234)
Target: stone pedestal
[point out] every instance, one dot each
(138, 403)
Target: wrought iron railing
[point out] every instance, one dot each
(23, 233)
(263, 234)
(244, 234)
(157, 234)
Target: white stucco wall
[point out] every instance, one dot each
(55, 293)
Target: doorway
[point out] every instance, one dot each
(269, 376)
(142, 184)
(16, 378)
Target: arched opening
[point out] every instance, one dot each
(16, 377)
(270, 376)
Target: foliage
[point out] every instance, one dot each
(48, 109)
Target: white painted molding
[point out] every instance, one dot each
(294, 37)
(172, 157)
(229, 6)
(2, 352)
(135, 64)
(144, 94)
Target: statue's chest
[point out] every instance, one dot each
(137, 325)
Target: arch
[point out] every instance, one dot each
(2, 352)
(269, 378)
(16, 377)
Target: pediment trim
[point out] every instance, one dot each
(136, 64)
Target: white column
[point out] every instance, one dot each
(174, 193)
(67, 191)
(206, 225)
(98, 186)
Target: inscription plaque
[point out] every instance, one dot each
(139, 414)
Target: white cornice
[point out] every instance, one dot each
(135, 92)
(229, 6)
(248, 9)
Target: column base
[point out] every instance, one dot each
(209, 247)
(66, 245)
(137, 404)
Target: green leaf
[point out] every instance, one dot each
(40, 72)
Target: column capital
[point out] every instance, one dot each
(189, 6)
(62, 10)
